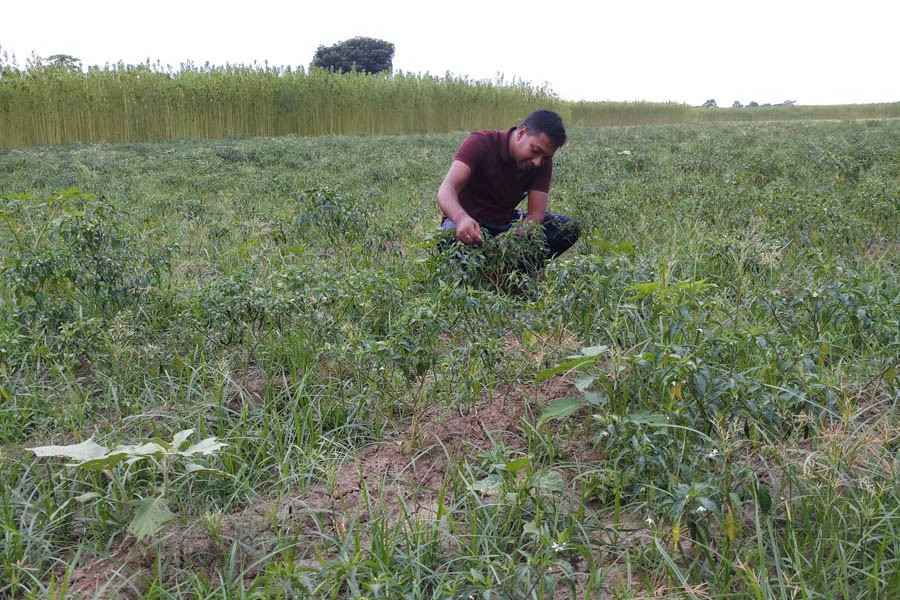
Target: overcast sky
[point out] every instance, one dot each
(813, 52)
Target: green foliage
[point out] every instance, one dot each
(71, 268)
(700, 397)
(364, 54)
(151, 513)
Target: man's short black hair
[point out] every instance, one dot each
(546, 122)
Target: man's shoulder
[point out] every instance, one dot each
(484, 136)
(480, 144)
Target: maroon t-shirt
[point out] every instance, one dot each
(496, 185)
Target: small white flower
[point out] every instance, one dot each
(713, 454)
(649, 521)
(557, 547)
(701, 509)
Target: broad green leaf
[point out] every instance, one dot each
(516, 465)
(561, 408)
(549, 480)
(595, 398)
(148, 449)
(150, 516)
(86, 450)
(531, 529)
(195, 468)
(490, 485)
(708, 503)
(204, 447)
(583, 382)
(180, 438)
(103, 463)
(136, 459)
(597, 350)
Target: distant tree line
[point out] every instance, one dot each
(711, 103)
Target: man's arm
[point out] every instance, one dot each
(537, 206)
(467, 229)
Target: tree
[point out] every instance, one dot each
(711, 103)
(65, 61)
(364, 54)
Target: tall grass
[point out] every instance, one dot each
(125, 103)
(55, 104)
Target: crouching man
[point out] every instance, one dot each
(493, 171)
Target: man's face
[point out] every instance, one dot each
(528, 150)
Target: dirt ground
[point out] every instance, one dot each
(392, 476)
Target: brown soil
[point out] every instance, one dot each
(386, 480)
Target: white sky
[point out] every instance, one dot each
(813, 52)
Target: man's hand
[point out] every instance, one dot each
(468, 231)
(526, 226)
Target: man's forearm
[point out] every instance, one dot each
(448, 200)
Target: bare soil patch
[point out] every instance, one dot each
(386, 480)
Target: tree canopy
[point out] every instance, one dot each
(368, 55)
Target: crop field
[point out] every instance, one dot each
(46, 104)
(248, 368)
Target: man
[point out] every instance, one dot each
(494, 170)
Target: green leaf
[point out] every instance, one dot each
(588, 355)
(491, 485)
(86, 450)
(642, 290)
(597, 350)
(708, 503)
(516, 465)
(204, 447)
(531, 529)
(150, 516)
(87, 497)
(180, 437)
(563, 367)
(195, 468)
(103, 463)
(561, 408)
(648, 418)
(583, 382)
(595, 398)
(148, 449)
(549, 480)
(763, 497)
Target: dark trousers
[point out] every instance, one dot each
(560, 232)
